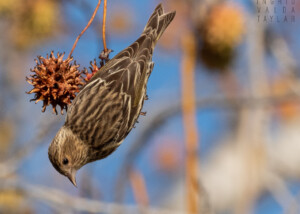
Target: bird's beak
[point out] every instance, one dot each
(72, 177)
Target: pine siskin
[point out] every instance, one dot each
(106, 109)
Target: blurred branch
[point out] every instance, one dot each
(11, 165)
(57, 198)
(283, 55)
(189, 121)
(172, 109)
(286, 60)
(253, 122)
(139, 188)
(277, 187)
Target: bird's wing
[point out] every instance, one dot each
(128, 70)
(96, 114)
(106, 109)
(128, 73)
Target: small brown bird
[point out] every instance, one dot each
(106, 109)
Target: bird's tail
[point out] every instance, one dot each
(158, 22)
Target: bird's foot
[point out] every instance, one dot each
(104, 56)
(143, 113)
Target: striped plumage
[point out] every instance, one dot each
(106, 109)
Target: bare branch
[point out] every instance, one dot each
(57, 198)
(172, 109)
(188, 65)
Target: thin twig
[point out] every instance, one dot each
(86, 27)
(104, 26)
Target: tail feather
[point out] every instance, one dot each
(158, 10)
(164, 22)
(158, 22)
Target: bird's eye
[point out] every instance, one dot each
(65, 161)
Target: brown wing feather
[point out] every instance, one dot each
(97, 123)
(105, 110)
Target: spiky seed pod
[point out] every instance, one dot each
(94, 68)
(216, 59)
(55, 81)
(224, 26)
(221, 32)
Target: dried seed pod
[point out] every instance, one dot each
(55, 81)
(221, 32)
(104, 58)
(224, 25)
(94, 68)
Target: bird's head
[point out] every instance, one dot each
(68, 153)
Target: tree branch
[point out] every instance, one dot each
(172, 109)
(57, 198)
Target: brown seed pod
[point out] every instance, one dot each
(224, 25)
(55, 81)
(94, 68)
(221, 32)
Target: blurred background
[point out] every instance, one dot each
(221, 133)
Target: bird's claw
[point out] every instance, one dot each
(143, 113)
(104, 56)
